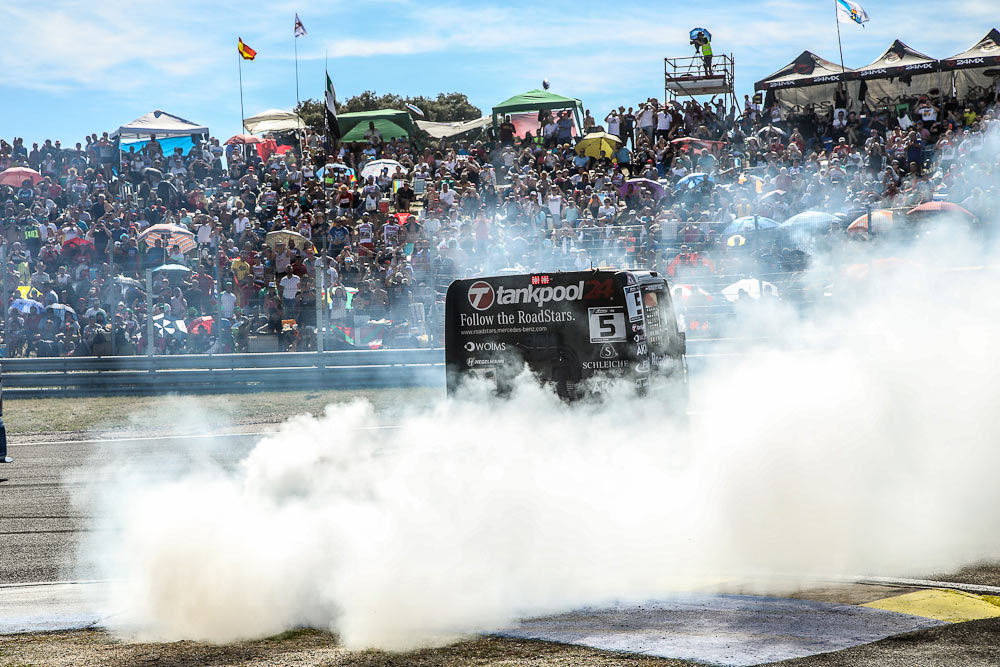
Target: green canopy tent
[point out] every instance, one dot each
(538, 100)
(391, 123)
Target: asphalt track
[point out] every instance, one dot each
(39, 526)
(40, 529)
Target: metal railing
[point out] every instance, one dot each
(107, 376)
(44, 377)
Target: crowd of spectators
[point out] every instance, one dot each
(384, 246)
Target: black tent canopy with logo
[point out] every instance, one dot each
(898, 74)
(807, 80)
(976, 70)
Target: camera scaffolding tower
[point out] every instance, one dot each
(686, 77)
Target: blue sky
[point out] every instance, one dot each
(68, 68)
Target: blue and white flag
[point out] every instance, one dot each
(849, 11)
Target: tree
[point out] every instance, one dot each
(446, 107)
(313, 114)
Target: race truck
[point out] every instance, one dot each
(578, 331)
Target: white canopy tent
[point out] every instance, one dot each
(160, 123)
(443, 130)
(273, 120)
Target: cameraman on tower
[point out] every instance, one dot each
(703, 44)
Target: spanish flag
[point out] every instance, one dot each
(245, 51)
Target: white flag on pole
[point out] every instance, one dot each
(299, 28)
(849, 11)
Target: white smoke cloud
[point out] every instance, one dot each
(857, 440)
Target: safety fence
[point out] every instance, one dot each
(220, 373)
(43, 377)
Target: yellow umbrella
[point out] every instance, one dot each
(593, 144)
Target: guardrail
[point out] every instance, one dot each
(43, 377)
(106, 376)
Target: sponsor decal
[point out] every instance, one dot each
(472, 346)
(918, 66)
(605, 365)
(608, 352)
(538, 295)
(481, 295)
(804, 64)
(472, 363)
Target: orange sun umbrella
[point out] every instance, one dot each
(939, 208)
(242, 139)
(881, 220)
(15, 176)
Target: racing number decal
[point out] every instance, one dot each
(599, 289)
(607, 325)
(634, 302)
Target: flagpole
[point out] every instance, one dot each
(296, 38)
(239, 61)
(836, 16)
(326, 115)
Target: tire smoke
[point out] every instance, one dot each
(859, 439)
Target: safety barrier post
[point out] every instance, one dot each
(149, 312)
(320, 303)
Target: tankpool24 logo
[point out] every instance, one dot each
(481, 295)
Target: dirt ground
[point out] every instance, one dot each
(122, 416)
(973, 644)
(92, 648)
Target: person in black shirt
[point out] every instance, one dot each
(101, 235)
(628, 126)
(506, 132)
(404, 197)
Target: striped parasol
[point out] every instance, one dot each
(171, 235)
